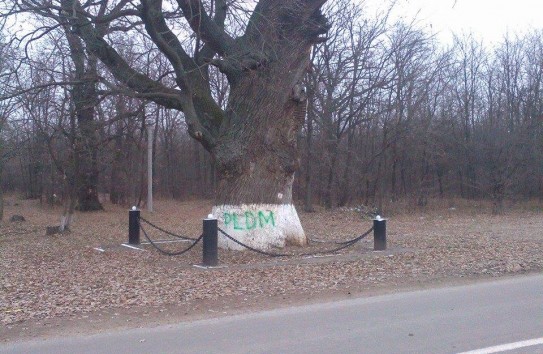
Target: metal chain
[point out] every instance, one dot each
(336, 242)
(345, 245)
(254, 249)
(166, 231)
(170, 253)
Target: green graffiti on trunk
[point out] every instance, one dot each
(236, 224)
(265, 220)
(249, 221)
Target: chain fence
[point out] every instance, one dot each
(166, 231)
(345, 244)
(163, 251)
(195, 241)
(314, 240)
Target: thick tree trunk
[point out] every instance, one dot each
(86, 163)
(256, 157)
(87, 174)
(254, 195)
(85, 98)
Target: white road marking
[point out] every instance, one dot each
(507, 347)
(99, 249)
(135, 248)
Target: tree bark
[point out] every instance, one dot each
(86, 153)
(117, 189)
(346, 185)
(256, 157)
(330, 191)
(308, 198)
(85, 99)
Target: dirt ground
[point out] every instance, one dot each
(52, 285)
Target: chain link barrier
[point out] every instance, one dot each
(272, 254)
(344, 244)
(166, 231)
(164, 251)
(335, 242)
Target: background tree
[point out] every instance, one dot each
(84, 97)
(7, 107)
(347, 72)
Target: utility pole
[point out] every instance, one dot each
(149, 166)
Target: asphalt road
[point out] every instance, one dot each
(446, 320)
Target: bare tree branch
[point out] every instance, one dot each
(210, 32)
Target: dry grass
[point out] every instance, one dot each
(45, 277)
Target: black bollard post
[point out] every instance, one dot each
(379, 234)
(210, 247)
(134, 226)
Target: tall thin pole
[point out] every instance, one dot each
(149, 167)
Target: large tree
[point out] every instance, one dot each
(84, 99)
(6, 108)
(252, 140)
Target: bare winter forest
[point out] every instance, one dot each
(391, 114)
(293, 123)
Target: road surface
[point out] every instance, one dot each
(489, 317)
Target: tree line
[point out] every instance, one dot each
(388, 112)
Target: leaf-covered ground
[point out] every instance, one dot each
(47, 278)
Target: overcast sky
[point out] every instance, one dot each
(487, 19)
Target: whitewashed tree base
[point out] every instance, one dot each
(262, 226)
